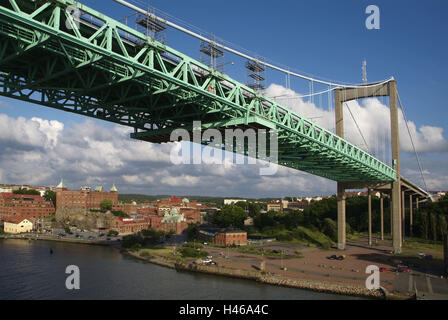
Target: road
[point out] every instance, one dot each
(426, 286)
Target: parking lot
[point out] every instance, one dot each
(85, 235)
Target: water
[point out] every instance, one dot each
(29, 271)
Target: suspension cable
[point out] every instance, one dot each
(412, 141)
(249, 56)
(359, 129)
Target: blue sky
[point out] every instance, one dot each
(327, 39)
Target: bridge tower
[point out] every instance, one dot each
(379, 90)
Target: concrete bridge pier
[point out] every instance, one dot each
(341, 216)
(396, 185)
(382, 215)
(369, 192)
(339, 118)
(411, 213)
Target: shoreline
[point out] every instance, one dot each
(52, 239)
(270, 279)
(258, 276)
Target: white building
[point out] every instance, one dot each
(17, 225)
(233, 201)
(5, 190)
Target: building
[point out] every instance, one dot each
(230, 237)
(129, 226)
(11, 188)
(249, 222)
(168, 215)
(174, 221)
(274, 206)
(228, 202)
(190, 210)
(84, 198)
(6, 189)
(298, 205)
(31, 207)
(17, 225)
(128, 208)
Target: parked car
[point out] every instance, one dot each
(403, 269)
(382, 269)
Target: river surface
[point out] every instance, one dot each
(29, 271)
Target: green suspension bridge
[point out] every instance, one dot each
(98, 67)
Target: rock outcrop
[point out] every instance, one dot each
(82, 218)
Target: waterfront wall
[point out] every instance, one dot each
(263, 277)
(319, 286)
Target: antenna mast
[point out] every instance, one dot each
(364, 71)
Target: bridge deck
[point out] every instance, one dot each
(108, 71)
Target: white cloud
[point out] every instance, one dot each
(39, 151)
(183, 180)
(51, 129)
(29, 133)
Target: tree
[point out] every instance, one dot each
(230, 215)
(120, 214)
(254, 209)
(133, 241)
(262, 221)
(330, 229)
(442, 225)
(192, 231)
(152, 236)
(30, 192)
(113, 233)
(50, 196)
(433, 219)
(242, 204)
(188, 252)
(106, 205)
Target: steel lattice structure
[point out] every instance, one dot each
(106, 70)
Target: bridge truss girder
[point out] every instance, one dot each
(111, 72)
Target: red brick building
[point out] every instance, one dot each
(127, 208)
(167, 215)
(173, 214)
(230, 237)
(128, 226)
(25, 206)
(84, 198)
(147, 211)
